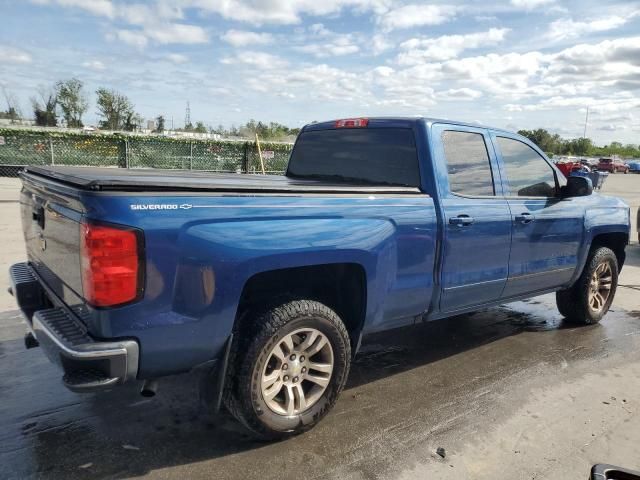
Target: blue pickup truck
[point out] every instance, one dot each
(270, 283)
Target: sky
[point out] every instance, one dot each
(512, 64)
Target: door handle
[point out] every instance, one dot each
(525, 218)
(461, 220)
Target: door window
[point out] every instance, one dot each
(529, 175)
(468, 163)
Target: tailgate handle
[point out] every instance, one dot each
(38, 216)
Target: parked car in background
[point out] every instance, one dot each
(270, 282)
(612, 165)
(634, 166)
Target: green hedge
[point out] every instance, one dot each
(23, 147)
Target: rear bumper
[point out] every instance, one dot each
(88, 364)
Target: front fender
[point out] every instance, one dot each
(605, 216)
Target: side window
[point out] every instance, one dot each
(468, 163)
(528, 173)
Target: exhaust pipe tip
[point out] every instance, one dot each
(149, 388)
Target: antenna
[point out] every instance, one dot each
(187, 115)
(586, 119)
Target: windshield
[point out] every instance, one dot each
(362, 155)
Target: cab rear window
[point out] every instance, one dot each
(383, 156)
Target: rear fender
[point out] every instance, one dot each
(225, 255)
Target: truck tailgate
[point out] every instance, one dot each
(51, 217)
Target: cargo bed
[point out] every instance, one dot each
(136, 180)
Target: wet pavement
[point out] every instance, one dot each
(447, 383)
(508, 393)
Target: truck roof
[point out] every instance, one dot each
(398, 122)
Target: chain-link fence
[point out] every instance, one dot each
(19, 148)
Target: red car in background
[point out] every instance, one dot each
(612, 165)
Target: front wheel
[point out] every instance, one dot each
(589, 299)
(289, 368)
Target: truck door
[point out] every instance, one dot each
(477, 220)
(547, 230)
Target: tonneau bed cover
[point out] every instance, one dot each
(135, 180)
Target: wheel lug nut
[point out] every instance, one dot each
(286, 378)
(285, 366)
(302, 359)
(295, 379)
(292, 358)
(304, 369)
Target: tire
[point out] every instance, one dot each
(576, 302)
(254, 360)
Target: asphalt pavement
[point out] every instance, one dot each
(509, 393)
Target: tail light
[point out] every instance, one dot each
(110, 262)
(352, 123)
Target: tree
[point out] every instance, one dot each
(200, 127)
(159, 124)
(115, 109)
(13, 112)
(44, 109)
(72, 100)
(581, 146)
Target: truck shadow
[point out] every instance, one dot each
(50, 432)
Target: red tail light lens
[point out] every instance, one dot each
(110, 264)
(352, 123)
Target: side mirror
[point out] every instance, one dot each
(577, 187)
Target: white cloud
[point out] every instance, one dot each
(530, 4)
(97, 7)
(14, 55)
(94, 65)
(177, 33)
(461, 94)
(282, 12)
(177, 58)
(156, 22)
(242, 38)
(261, 60)
(612, 128)
(419, 50)
(134, 38)
(335, 49)
(567, 28)
(417, 15)
(319, 41)
(168, 33)
(380, 44)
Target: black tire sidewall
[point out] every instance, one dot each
(596, 258)
(283, 423)
(256, 340)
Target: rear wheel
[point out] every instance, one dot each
(589, 299)
(289, 368)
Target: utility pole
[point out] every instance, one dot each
(187, 116)
(586, 120)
